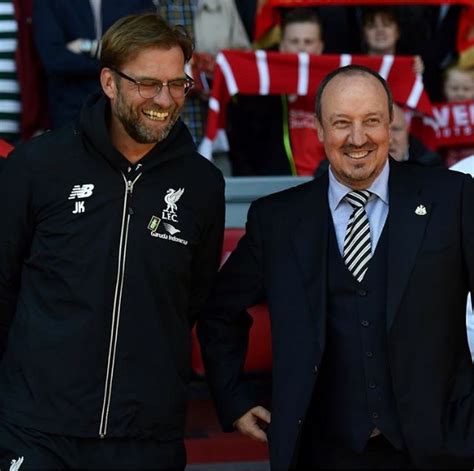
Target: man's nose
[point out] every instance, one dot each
(300, 46)
(163, 98)
(357, 136)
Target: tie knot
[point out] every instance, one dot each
(358, 199)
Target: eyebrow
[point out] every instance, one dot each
(345, 116)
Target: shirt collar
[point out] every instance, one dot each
(379, 187)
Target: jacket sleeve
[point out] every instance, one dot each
(51, 39)
(15, 236)
(207, 258)
(224, 324)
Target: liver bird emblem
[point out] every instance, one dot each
(171, 198)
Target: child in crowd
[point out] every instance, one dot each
(381, 30)
(381, 33)
(458, 84)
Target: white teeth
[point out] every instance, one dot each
(358, 155)
(155, 115)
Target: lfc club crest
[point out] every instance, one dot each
(171, 198)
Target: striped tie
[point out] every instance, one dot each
(357, 248)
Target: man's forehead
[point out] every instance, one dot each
(351, 94)
(302, 28)
(143, 55)
(353, 83)
(355, 76)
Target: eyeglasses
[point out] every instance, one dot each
(147, 89)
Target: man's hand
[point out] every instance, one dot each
(419, 66)
(253, 422)
(74, 46)
(89, 47)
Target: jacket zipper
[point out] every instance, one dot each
(117, 305)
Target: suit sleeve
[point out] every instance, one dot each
(468, 227)
(224, 324)
(51, 39)
(15, 237)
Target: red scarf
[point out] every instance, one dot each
(452, 125)
(263, 73)
(5, 148)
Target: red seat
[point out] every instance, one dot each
(231, 239)
(5, 148)
(259, 355)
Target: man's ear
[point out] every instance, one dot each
(107, 81)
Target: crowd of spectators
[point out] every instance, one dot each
(49, 65)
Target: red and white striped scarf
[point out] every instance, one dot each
(268, 72)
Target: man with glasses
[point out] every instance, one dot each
(111, 239)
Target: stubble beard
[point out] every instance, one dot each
(360, 174)
(131, 120)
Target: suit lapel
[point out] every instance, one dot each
(406, 232)
(407, 226)
(310, 241)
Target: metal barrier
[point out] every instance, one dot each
(241, 191)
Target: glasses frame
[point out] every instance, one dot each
(189, 84)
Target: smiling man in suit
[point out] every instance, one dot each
(366, 271)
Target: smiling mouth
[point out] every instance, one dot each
(357, 155)
(156, 115)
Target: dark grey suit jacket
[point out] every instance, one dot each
(283, 259)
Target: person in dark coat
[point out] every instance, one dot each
(365, 271)
(111, 242)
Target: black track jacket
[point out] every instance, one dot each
(102, 273)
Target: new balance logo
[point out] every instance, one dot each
(81, 191)
(15, 464)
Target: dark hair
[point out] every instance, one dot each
(455, 64)
(301, 15)
(369, 14)
(351, 70)
(133, 33)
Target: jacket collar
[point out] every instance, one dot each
(94, 128)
